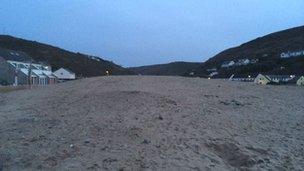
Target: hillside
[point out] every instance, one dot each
(152, 123)
(268, 50)
(174, 68)
(81, 64)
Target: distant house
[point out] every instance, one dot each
(213, 74)
(94, 58)
(242, 77)
(292, 54)
(262, 79)
(191, 74)
(65, 74)
(300, 81)
(274, 79)
(253, 61)
(280, 78)
(211, 70)
(227, 64)
(242, 62)
(15, 68)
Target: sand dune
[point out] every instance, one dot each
(152, 123)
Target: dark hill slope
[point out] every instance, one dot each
(81, 64)
(267, 49)
(174, 68)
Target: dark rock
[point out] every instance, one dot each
(109, 160)
(225, 103)
(94, 167)
(160, 117)
(237, 103)
(260, 161)
(232, 154)
(146, 141)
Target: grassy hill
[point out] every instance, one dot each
(267, 49)
(174, 68)
(81, 64)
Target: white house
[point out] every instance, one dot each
(17, 73)
(211, 70)
(262, 79)
(276, 79)
(242, 62)
(227, 64)
(64, 74)
(213, 74)
(253, 61)
(300, 81)
(243, 78)
(292, 54)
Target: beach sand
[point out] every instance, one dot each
(152, 123)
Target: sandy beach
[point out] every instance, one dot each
(152, 123)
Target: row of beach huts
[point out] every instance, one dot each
(264, 79)
(17, 68)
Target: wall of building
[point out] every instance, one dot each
(300, 82)
(7, 73)
(261, 79)
(22, 78)
(63, 74)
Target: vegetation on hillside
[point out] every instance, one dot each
(174, 68)
(267, 49)
(83, 65)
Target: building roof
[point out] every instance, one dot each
(242, 75)
(71, 72)
(26, 71)
(39, 73)
(242, 60)
(17, 64)
(226, 62)
(294, 79)
(14, 55)
(279, 76)
(49, 74)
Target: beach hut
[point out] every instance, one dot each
(262, 79)
(300, 81)
(64, 74)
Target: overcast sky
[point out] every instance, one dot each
(142, 32)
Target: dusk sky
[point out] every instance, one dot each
(144, 32)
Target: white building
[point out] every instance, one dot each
(65, 74)
(292, 54)
(274, 79)
(227, 64)
(242, 62)
(213, 74)
(211, 70)
(19, 73)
